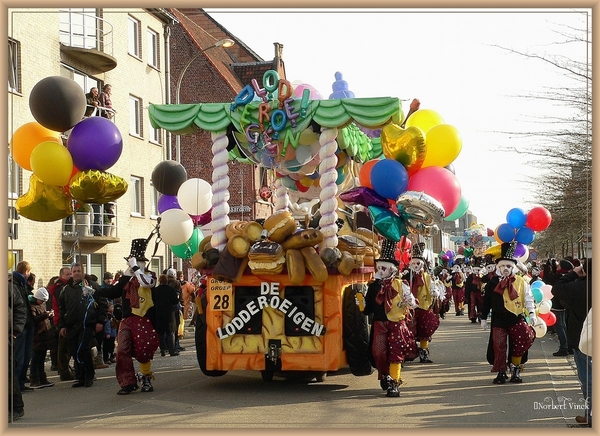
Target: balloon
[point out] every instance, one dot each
(549, 318)
(303, 154)
(176, 227)
(450, 254)
(538, 219)
(461, 209)
(389, 178)
(95, 144)
(525, 235)
(205, 218)
(299, 89)
(26, 138)
(420, 207)
(424, 119)
(11, 259)
(43, 202)
(365, 197)
(443, 145)
(540, 328)
(545, 306)
(364, 175)
(450, 168)
(505, 232)
(468, 252)
(547, 291)
(438, 182)
(168, 176)
(538, 295)
(52, 163)
(57, 103)
(523, 258)
(387, 223)
(195, 196)
(166, 202)
(405, 146)
(537, 284)
(190, 247)
(490, 232)
(516, 217)
(520, 250)
(94, 186)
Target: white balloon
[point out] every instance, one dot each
(195, 196)
(544, 306)
(176, 227)
(540, 328)
(304, 154)
(525, 256)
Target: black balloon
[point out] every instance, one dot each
(168, 176)
(57, 103)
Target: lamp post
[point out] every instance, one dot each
(221, 43)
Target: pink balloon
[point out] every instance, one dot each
(547, 291)
(438, 182)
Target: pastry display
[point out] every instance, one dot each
(295, 266)
(279, 226)
(303, 238)
(315, 264)
(238, 246)
(266, 257)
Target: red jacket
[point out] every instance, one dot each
(58, 284)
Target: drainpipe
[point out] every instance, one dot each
(167, 37)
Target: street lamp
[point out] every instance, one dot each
(221, 43)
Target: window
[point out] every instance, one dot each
(155, 133)
(86, 82)
(13, 178)
(136, 196)
(135, 118)
(14, 64)
(78, 27)
(134, 36)
(155, 195)
(153, 49)
(156, 264)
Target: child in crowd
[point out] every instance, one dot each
(42, 338)
(111, 326)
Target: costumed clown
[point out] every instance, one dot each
(474, 290)
(510, 300)
(426, 289)
(458, 287)
(136, 331)
(389, 301)
(489, 269)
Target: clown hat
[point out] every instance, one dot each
(507, 252)
(388, 250)
(418, 251)
(138, 249)
(477, 262)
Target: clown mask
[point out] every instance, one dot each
(455, 268)
(416, 265)
(505, 268)
(476, 270)
(490, 268)
(384, 270)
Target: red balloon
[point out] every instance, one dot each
(538, 219)
(364, 175)
(490, 232)
(461, 249)
(549, 318)
(439, 183)
(301, 187)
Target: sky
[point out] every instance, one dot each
(456, 62)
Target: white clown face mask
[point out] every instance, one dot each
(416, 265)
(505, 268)
(384, 269)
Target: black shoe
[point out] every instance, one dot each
(473, 320)
(67, 377)
(88, 383)
(500, 378)
(26, 389)
(560, 353)
(16, 415)
(392, 390)
(78, 384)
(174, 353)
(180, 349)
(424, 356)
(125, 390)
(163, 353)
(571, 351)
(516, 374)
(145, 380)
(385, 382)
(54, 368)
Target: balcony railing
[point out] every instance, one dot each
(99, 224)
(88, 31)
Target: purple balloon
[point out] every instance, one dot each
(166, 202)
(365, 197)
(520, 250)
(205, 218)
(95, 143)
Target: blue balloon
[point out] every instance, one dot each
(538, 295)
(537, 284)
(517, 218)
(389, 178)
(525, 235)
(506, 232)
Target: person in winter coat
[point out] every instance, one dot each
(23, 348)
(164, 297)
(17, 316)
(574, 289)
(43, 338)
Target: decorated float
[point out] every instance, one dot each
(280, 293)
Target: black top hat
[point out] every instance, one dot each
(488, 259)
(507, 251)
(388, 252)
(418, 251)
(477, 262)
(138, 249)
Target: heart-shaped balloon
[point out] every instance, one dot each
(94, 186)
(44, 202)
(407, 146)
(468, 252)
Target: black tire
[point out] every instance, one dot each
(356, 333)
(200, 339)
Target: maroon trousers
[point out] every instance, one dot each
(392, 342)
(521, 338)
(136, 338)
(475, 303)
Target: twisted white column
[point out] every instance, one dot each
(328, 185)
(282, 199)
(220, 190)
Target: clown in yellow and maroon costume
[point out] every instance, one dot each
(388, 300)
(510, 300)
(426, 289)
(136, 331)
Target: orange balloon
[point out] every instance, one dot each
(26, 138)
(500, 241)
(364, 175)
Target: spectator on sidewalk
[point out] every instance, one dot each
(17, 317)
(43, 338)
(62, 351)
(24, 342)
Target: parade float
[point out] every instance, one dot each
(280, 293)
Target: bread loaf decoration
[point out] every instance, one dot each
(279, 226)
(295, 266)
(238, 246)
(346, 264)
(315, 264)
(303, 238)
(266, 257)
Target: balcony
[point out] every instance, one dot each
(98, 226)
(88, 39)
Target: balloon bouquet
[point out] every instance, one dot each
(65, 176)
(184, 206)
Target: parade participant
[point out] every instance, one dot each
(458, 288)
(473, 290)
(509, 298)
(388, 300)
(446, 281)
(136, 331)
(426, 290)
(489, 269)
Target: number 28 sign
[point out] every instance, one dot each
(220, 295)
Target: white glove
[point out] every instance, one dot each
(532, 319)
(132, 261)
(484, 324)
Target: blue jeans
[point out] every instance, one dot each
(560, 327)
(584, 373)
(23, 352)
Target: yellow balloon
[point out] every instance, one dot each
(52, 163)
(494, 251)
(11, 259)
(424, 119)
(406, 146)
(43, 202)
(305, 181)
(26, 138)
(308, 136)
(94, 186)
(444, 144)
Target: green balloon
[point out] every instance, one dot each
(461, 209)
(190, 247)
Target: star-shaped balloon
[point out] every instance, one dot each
(387, 223)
